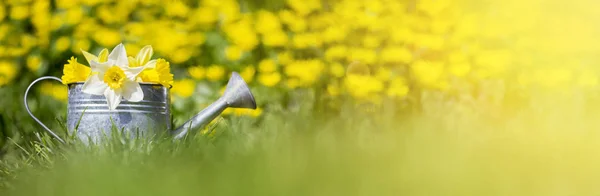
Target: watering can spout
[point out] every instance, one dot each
(236, 95)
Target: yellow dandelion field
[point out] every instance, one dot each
(360, 48)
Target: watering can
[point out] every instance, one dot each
(90, 116)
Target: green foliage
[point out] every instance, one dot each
(447, 150)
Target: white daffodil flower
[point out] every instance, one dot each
(114, 79)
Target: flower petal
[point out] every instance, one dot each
(150, 64)
(89, 57)
(119, 56)
(132, 72)
(103, 56)
(144, 55)
(94, 85)
(113, 98)
(132, 62)
(132, 91)
(100, 67)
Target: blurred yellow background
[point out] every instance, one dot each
(509, 88)
(370, 51)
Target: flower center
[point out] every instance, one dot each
(114, 77)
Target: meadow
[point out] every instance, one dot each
(379, 97)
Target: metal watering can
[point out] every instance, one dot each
(93, 119)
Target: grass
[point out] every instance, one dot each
(549, 147)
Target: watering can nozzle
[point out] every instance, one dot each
(236, 95)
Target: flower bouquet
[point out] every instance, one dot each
(116, 75)
(132, 94)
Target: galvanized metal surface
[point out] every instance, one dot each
(146, 117)
(90, 116)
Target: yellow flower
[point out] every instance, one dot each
(275, 38)
(57, 91)
(383, 74)
(267, 66)
(337, 70)
(107, 37)
(228, 111)
(56, 22)
(75, 72)
(396, 55)
(205, 15)
(197, 72)
(196, 38)
(334, 34)
(74, 15)
(286, 16)
(210, 3)
(114, 77)
(241, 34)
(402, 35)
(285, 58)
(160, 74)
(304, 7)
(184, 88)
(62, 43)
(256, 112)
(177, 9)
(363, 55)
(308, 71)
(181, 55)
(248, 73)
(215, 73)
(336, 52)
(91, 3)
(28, 41)
(269, 79)
(19, 12)
(81, 44)
(34, 63)
(229, 10)
(371, 41)
(243, 112)
(362, 86)
(233, 53)
(8, 71)
(305, 40)
(247, 112)
(16, 51)
(267, 22)
(65, 4)
(2, 12)
(106, 15)
(295, 23)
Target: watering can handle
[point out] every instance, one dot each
(29, 111)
